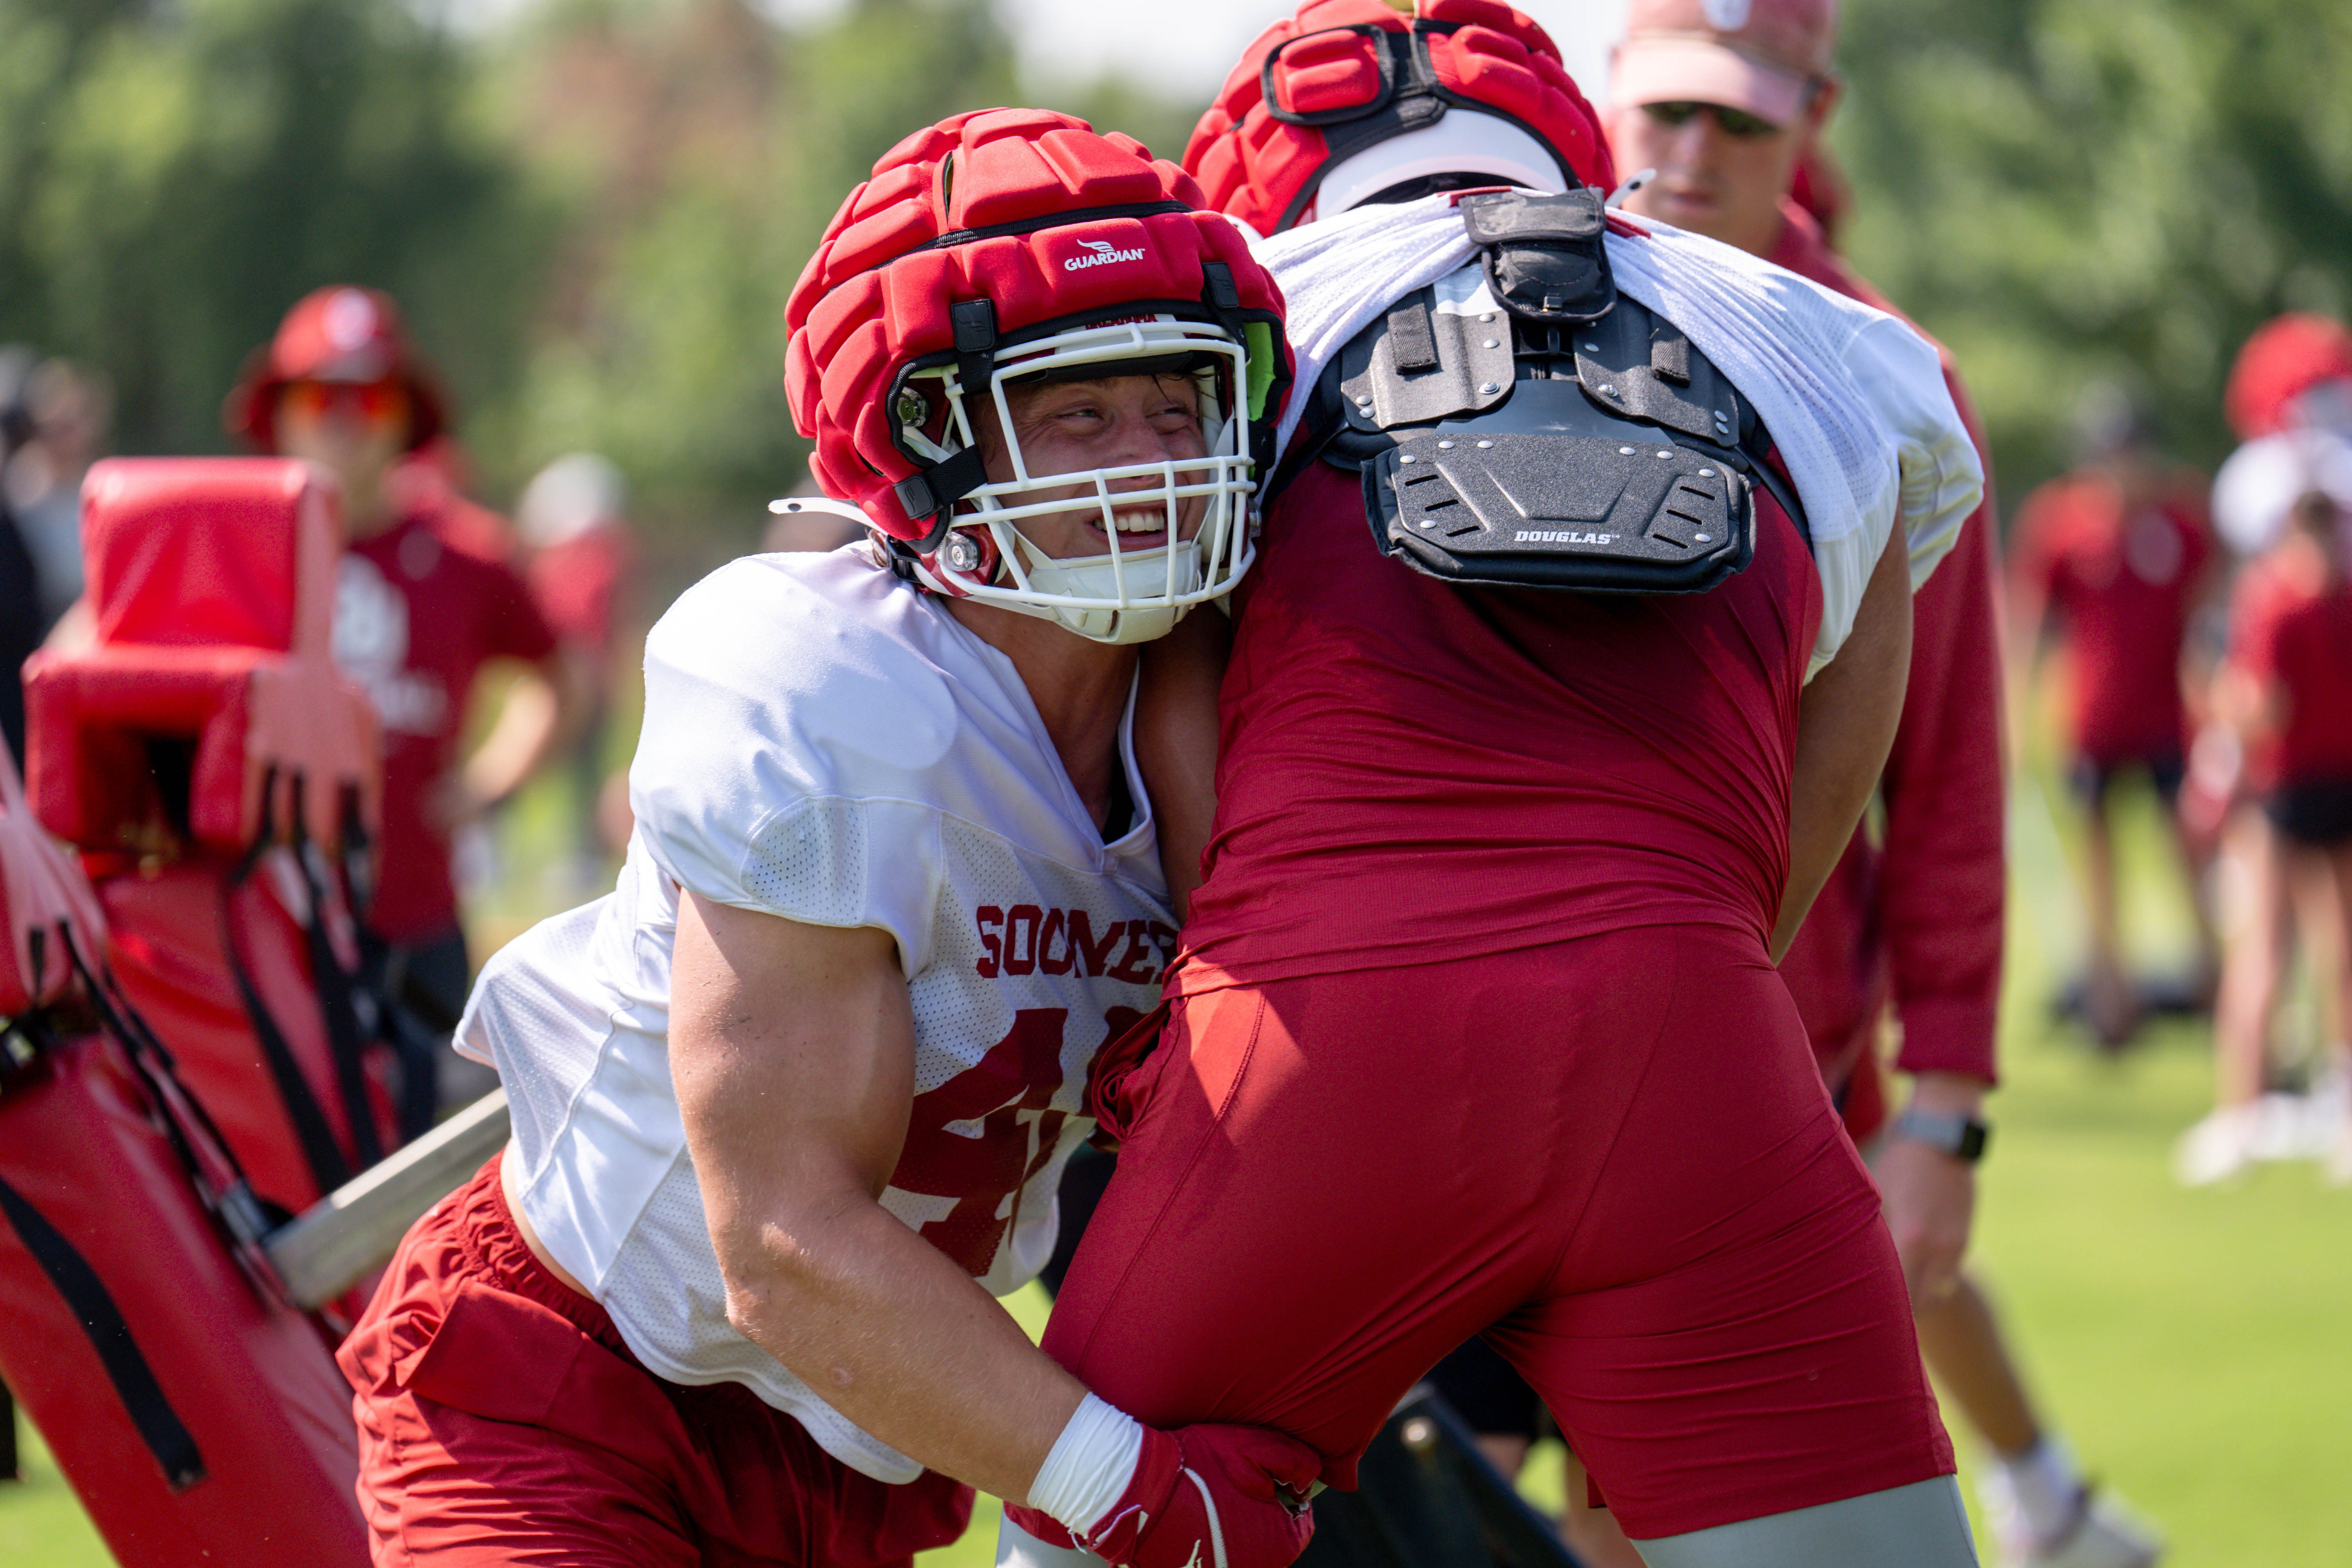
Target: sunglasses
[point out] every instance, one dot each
(1736, 123)
(378, 403)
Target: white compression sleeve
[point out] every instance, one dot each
(1089, 1466)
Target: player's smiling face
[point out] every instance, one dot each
(1071, 426)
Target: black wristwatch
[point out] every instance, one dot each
(1961, 1136)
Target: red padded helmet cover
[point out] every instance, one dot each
(2285, 358)
(873, 298)
(1255, 166)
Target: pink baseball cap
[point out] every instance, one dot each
(1765, 57)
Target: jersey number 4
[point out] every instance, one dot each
(983, 1136)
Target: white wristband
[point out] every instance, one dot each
(1088, 1468)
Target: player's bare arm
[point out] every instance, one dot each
(542, 712)
(1176, 743)
(1844, 731)
(793, 1049)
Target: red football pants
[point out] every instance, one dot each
(1614, 1156)
(502, 1421)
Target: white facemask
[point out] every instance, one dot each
(1127, 596)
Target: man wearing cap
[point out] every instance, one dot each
(1724, 99)
(416, 620)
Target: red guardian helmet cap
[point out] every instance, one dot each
(2296, 371)
(1013, 246)
(338, 334)
(1349, 100)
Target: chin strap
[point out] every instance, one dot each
(933, 492)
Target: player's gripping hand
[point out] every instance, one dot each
(1219, 1497)
(1200, 1497)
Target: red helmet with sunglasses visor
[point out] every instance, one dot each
(341, 345)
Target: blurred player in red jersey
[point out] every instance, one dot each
(435, 478)
(2117, 560)
(2290, 396)
(2289, 689)
(1478, 1029)
(574, 518)
(1725, 98)
(416, 620)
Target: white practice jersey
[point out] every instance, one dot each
(826, 743)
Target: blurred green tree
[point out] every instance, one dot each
(173, 176)
(699, 151)
(592, 215)
(2070, 190)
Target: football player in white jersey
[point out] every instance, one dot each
(793, 1100)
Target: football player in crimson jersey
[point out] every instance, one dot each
(1477, 1027)
(2287, 689)
(790, 1103)
(2114, 563)
(1724, 103)
(2290, 397)
(416, 621)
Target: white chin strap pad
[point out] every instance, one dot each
(1146, 572)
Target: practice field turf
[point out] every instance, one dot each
(2193, 1345)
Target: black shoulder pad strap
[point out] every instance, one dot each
(1643, 365)
(1409, 334)
(1421, 360)
(1547, 256)
(1321, 422)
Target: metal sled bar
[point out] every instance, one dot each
(321, 1251)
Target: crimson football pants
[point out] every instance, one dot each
(502, 1422)
(1614, 1156)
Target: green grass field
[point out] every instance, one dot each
(2191, 1343)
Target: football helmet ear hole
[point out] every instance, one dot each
(966, 552)
(913, 409)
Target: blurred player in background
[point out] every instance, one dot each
(574, 518)
(2288, 690)
(69, 413)
(2115, 562)
(436, 480)
(2290, 396)
(1724, 99)
(416, 619)
(21, 621)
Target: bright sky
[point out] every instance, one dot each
(1191, 45)
(1186, 48)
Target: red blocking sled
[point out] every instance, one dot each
(200, 1420)
(217, 771)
